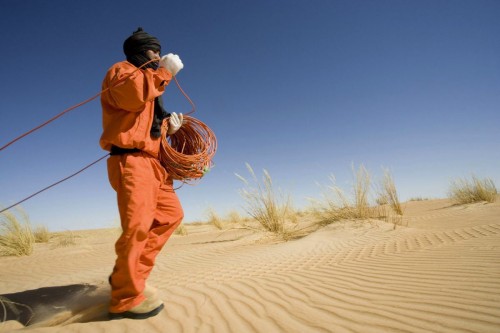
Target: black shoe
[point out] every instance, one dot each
(133, 315)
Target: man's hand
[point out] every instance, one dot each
(172, 63)
(174, 123)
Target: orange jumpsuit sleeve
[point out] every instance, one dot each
(131, 88)
(128, 106)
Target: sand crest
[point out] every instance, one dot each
(441, 273)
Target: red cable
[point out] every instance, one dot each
(202, 152)
(75, 106)
(187, 154)
(186, 96)
(50, 120)
(56, 183)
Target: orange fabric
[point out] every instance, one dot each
(128, 107)
(150, 212)
(149, 208)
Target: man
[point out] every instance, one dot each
(149, 209)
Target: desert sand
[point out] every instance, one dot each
(438, 273)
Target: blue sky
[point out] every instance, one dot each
(303, 89)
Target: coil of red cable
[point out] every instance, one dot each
(187, 154)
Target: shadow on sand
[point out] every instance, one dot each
(59, 305)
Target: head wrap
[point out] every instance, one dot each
(135, 48)
(137, 44)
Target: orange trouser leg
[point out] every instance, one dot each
(149, 212)
(168, 216)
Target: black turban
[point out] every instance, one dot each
(135, 48)
(137, 44)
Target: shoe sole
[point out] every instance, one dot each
(132, 315)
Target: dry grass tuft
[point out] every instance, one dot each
(234, 217)
(181, 230)
(463, 191)
(419, 199)
(294, 215)
(382, 199)
(16, 236)
(215, 219)
(391, 193)
(65, 239)
(337, 206)
(389, 207)
(264, 204)
(41, 234)
(362, 182)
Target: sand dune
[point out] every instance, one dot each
(440, 273)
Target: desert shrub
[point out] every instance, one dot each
(464, 191)
(65, 239)
(336, 205)
(391, 193)
(234, 217)
(418, 199)
(181, 230)
(362, 182)
(389, 206)
(215, 219)
(382, 199)
(294, 215)
(16, 236)
(264, 203)
(41, 234)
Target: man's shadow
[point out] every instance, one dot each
(59, 305)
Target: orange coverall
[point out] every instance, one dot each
(149, 208)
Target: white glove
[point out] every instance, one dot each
(174, 122)
(172, 63)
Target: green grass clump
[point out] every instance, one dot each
(16, 236)
(464, 191)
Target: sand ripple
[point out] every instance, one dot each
(346, 277)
